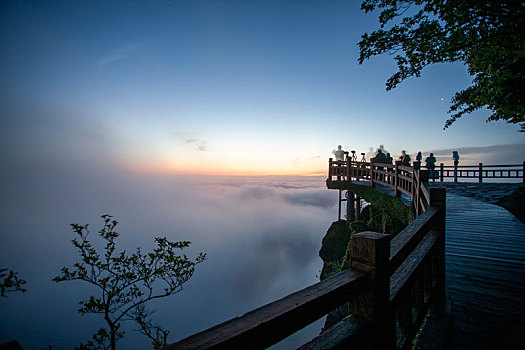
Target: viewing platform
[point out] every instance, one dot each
(484, 253)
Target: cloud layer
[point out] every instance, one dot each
(261, 235)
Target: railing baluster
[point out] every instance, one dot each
(397, 193)
(480, 179)
(372, 182)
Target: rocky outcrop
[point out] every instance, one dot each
(333, 249)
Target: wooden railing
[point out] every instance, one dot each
(480, 171)
(388, 288)
(342, 170)
(403, 179)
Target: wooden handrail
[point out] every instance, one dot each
(485, 166)
(275, 321)
(350, 331)
(406, 272)
(405, 241)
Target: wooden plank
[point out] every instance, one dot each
(485, 275)
(405, 177)
(405, 191)
(406, 168)
(426, 193)
(405, 241)
(407, 272)
(275, 321)
(346, 334)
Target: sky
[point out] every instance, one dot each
(216, 87)
(198, 120)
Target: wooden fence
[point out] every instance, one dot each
(480, 171)
(403, 179)
(388, 288)
(342, 169)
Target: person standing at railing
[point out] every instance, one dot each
(419, 156)
(389, 159)
(455, 156)
(339, 153)
(431, 165)
(380, 157)
(405, 158)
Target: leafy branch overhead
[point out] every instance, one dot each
(126, 282)
(487, 36)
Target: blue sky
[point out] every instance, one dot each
(165, 86)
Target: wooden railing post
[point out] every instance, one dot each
(523, 173)
(480, 175)
(455, 172)
(348, 173)
(330, 168)
(438, 198)
(372, 183)
(416, 187)
(339, 211)
(441, 172)
(350, 207)
(357, 207)
(370, 252)
(397, 192)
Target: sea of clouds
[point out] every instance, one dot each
(261, 235)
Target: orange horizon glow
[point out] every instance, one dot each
(221, 171)
(254, 163)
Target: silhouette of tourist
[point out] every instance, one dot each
(339, 153)
(389, 159)
(419, 156)
(405, 158)
(455, 155)
(380, 157)
(431, 165)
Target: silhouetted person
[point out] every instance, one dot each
(380, 157)
(389, 159)
(455, 155)
(339, 154)
(431, 165)
(405, 158)
(419, 156)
